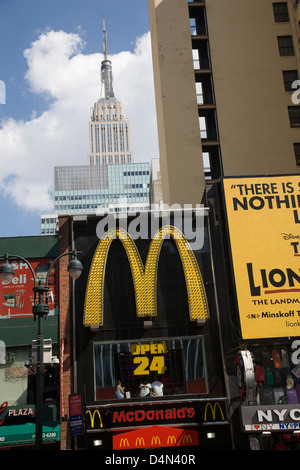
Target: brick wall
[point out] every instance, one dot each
(65, 329)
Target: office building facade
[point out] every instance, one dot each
(231, 67)
(240, 61)
(85, 189)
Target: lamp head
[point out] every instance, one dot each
(6, 271)
(75, 268)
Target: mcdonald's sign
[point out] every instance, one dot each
(144, 277)
(155, 441)
(211, 411)
(92, 414)
(171, 440)
(124, 442)
(140, 442)
(187, 439)
(155, 436)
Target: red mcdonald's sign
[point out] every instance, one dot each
(155, 436)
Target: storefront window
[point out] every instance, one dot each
(277, 376)
(272, 376)
(159, 367)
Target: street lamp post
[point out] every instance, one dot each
(40, 309)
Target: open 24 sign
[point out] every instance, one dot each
(149, 358)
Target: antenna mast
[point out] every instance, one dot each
(104, 40)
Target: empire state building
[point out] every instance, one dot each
(109, 130)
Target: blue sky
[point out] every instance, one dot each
(50, 54)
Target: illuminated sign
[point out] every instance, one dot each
(264, 227)
(155, 436)
(92, 414)
(144, 278)
(139, 415)
(214, 411)
(276, 418)
(168, 413)
(8, 412)
(144, 364)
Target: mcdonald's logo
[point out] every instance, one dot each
(144, 278)
(124, 442)
(187, 439)
(171, 440)
(92, 417)
(140, 441)
(156, 436)
(213, 409)
(155, 441)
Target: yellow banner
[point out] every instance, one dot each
(264, 228)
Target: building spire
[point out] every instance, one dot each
(104, 40)
(107, 91)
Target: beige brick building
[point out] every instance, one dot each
(223, 75)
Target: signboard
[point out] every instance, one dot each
(15, 412)
(144, 277)
(263, 216)
(154, 437)
(154, 414)
(16, 296)
(75, 409)
(270, 418)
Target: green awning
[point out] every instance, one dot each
(25, 433)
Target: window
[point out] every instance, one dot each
(178, 363)
(280, 11)
(297, 152)
(294, 115)
(103, 138)
(285, 44)
(193, 26)
(196, 59)
(289, 76)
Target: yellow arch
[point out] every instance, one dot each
(144, 279)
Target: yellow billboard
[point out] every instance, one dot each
(263, 215)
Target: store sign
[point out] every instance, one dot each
(270, 418)
(154, 414)
(149, 357)
(94, 418)
(16, 296)
(144, 277)
(264, 227)
(155, 436)
(213, 412)
(13, 412)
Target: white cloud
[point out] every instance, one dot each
(58, 69)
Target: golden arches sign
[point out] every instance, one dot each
(144, 278)
(92, 417)
(213, 409)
